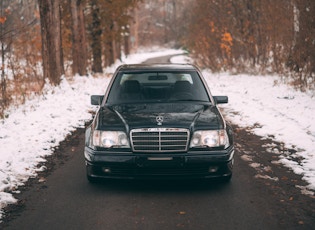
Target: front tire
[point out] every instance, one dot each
(90, 178)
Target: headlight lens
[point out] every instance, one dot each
(110, 139)
(210, 138)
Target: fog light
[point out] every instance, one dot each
(106, 170)
(213, 169)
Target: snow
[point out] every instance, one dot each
(272, 111)
(33, 130)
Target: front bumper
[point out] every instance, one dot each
(128, 165)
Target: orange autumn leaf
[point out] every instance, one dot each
(3, 19)
(226, 43)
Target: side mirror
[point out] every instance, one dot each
(221, 99)
(96, 99)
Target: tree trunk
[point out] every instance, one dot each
(96, 33)
(109, 52)
(3, 102)
(51, 40)
(109, 45)
(79, 50)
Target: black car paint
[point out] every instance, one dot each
(123, 163)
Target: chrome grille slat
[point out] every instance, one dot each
(159, 139)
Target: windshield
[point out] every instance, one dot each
(156, 87)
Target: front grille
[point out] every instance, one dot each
(159, 140)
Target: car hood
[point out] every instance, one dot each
(179, 115)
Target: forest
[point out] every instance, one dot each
(45, 40)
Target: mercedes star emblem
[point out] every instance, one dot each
(159, 120)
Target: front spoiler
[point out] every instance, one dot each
(127, 165)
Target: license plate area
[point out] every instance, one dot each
(159, 161)
(160, 158)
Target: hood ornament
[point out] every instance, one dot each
(159, 119)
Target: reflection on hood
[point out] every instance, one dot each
(181, 115)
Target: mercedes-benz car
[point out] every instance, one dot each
(158, 121)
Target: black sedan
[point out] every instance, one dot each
(158, 121)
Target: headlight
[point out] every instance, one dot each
(110, 139)
(210, 138)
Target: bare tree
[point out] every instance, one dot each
(4, 41)
(51, 40)
(302, 58)
(79, 50)
(108, 28)
(95, 36)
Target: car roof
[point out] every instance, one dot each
(157, 67)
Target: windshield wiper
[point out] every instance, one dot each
(127, 107)
(189, 100)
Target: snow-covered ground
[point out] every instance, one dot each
(32, 131)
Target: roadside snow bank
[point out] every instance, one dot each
(273, 111)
